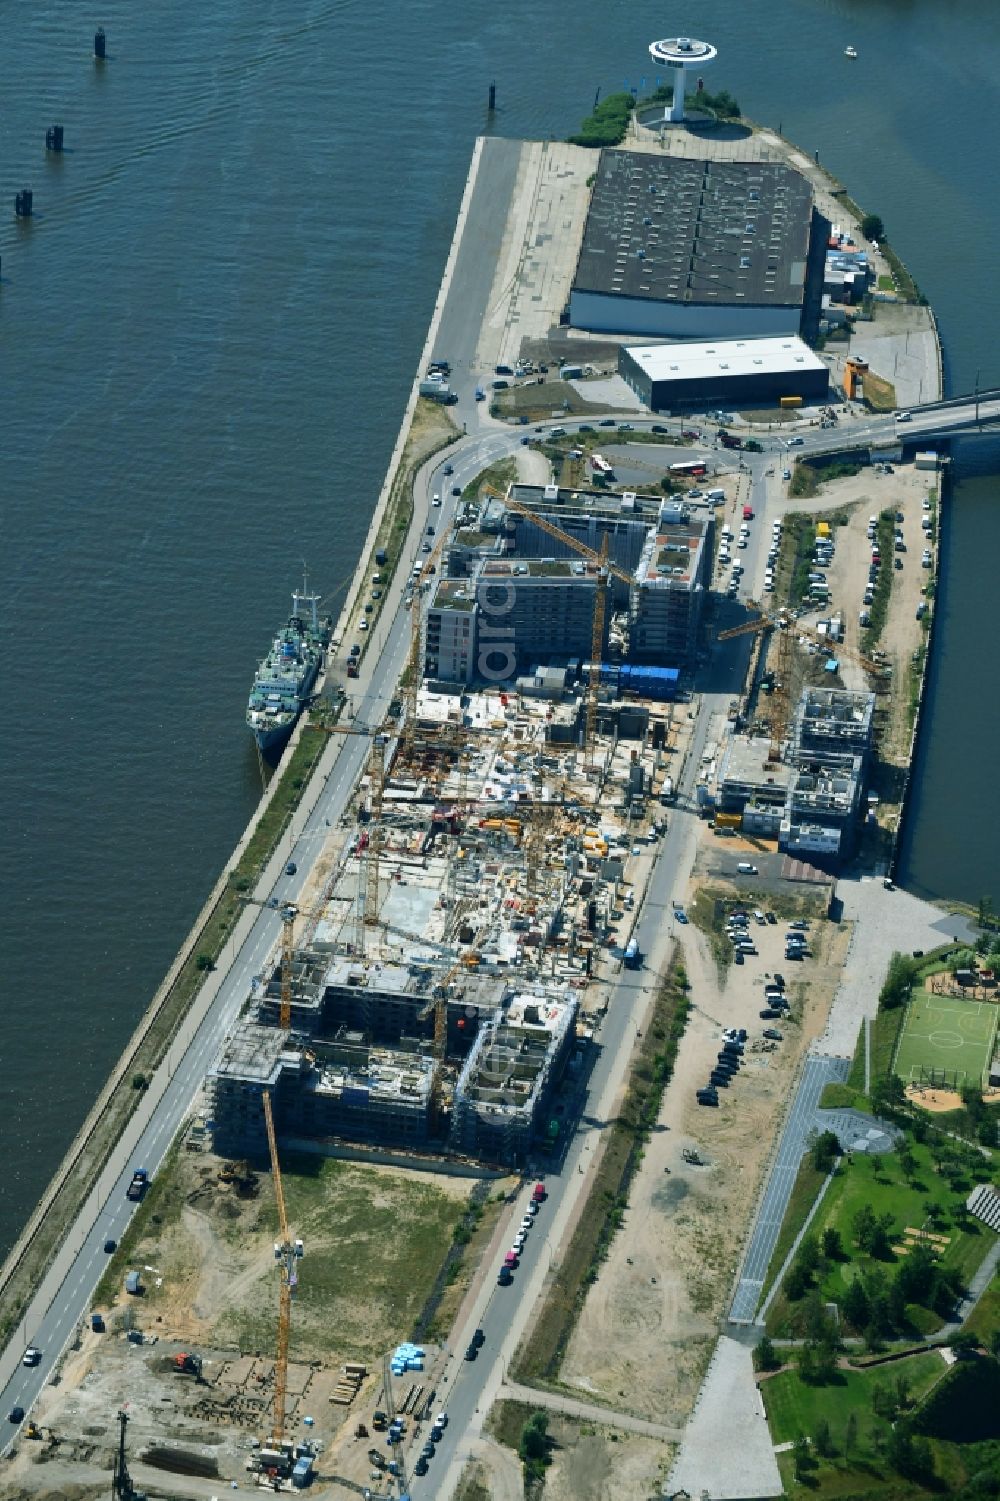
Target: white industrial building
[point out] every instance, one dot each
(723, 372)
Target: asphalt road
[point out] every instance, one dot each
(78, 1266)
(65, 1297)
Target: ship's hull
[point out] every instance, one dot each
(272, 739)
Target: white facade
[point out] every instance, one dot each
(601, 312)
(731, 357)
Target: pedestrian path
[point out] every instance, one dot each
(589, 1412)
(817, 1072)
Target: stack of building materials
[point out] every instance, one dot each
(407, 1357)
(348, 1384)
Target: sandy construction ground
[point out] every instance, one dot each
(591, 1464)
(869, 493)
(650, 1321)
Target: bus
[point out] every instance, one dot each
(692, 469)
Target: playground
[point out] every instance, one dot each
(945, 1042)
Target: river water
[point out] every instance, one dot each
(206, 338)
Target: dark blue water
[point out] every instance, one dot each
(206, 338)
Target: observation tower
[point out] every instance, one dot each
(684, 54)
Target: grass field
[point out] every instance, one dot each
(794, 1408)
(947, 1034)
(882, 1183)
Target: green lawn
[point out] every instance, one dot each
(808, 1183)
(881, 1183)
(793, 1407)
(884, 1032)
(985, 1318)
(375, 1242)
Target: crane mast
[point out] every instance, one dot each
(286, 1253)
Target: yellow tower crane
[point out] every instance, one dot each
(787, 626)
(286, 1253)
(605, 571)
(288, 912)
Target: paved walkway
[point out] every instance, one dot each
(726, 1452)
(885, 921)
(588, 1413)
(816, 1072)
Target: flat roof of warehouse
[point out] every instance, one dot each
(687, 361)
(724, 232)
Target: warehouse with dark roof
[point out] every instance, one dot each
(680, 249)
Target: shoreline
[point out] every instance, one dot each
(310, 791)
(84, 1135)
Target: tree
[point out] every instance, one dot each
(205, 962)
(534, 1446)
(800, 1455)
(872, 227)
(823, 1439)
(809, 1254)
(898, 983)
(865, 1225)
(796, 1281)
(765, 1357)
(825, 1151)
(907, 1162)
(881, 1238)
(850, 1434)
(855, 1305)
(908, 1453)
(886, 1094)
(917, 1275)
(833, 1246)
(884, 1403)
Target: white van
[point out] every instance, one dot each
(716, 494)
(746, 869)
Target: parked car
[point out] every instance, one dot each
(772, 1034)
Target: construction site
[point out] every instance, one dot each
(429, 999)
(423, 1032)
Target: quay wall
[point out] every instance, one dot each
(60, 1181)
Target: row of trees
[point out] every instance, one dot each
(874, 1303)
